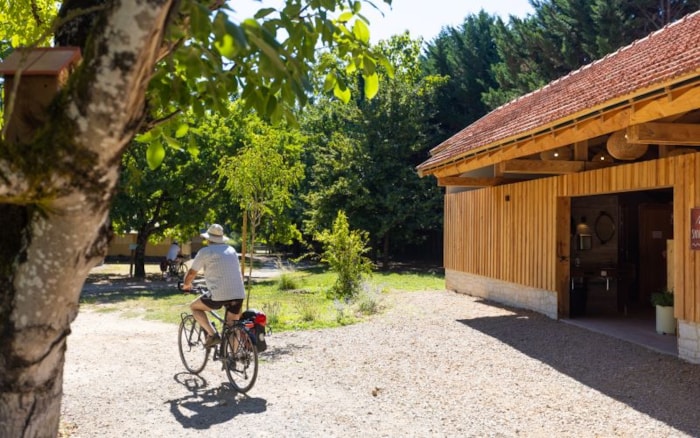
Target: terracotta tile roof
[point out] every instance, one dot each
(671, 52)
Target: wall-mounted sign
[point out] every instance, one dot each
(695, 228)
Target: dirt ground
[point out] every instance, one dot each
(434, 363)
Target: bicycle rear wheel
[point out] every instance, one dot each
(191, 339)
(240, 359)
(182, 270)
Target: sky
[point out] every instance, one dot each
(422, 18)
(426, 18)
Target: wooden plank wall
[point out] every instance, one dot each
(509, 232)
(504, 232)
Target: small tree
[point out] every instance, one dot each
(262, 175)
(343, 250)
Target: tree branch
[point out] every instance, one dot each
(150, 124)
(35, 14)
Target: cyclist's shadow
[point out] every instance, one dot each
(205, 407)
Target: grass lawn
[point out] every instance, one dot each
(302, 304)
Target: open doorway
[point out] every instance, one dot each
(618, 259)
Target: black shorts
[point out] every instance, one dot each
(233, 306)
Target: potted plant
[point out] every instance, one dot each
(665, 321)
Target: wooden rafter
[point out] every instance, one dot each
(582, 129)
(461, 181)
(544, 167)
(685, 134)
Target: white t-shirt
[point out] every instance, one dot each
(173, 252)
(221, 271)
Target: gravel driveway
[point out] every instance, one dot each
(435, 364)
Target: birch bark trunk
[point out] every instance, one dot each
(54, 204)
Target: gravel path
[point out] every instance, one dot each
(462, 368)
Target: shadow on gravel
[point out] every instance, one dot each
(661, 386)
(203, 408)
(113, 294)
(275, 353)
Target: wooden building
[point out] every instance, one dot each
(590, 182)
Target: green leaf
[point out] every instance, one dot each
(172, 142)
(272, 53)
(182, 130)
(371, 85)
(388, 66)
(345, 16)
(329, 82)
(226, 46)
(262, 13)
(361, 31)
(342, 92)
(368, 66)
(192, 147)
(155, 154)
(199, 22)
(146, 137)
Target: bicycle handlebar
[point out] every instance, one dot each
(196, 288)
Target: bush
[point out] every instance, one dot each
(288, 281)
(344, 251)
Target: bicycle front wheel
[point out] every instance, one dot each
(191, 339)
(240, 359)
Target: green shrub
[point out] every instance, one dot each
(288, 281)
(343, 250)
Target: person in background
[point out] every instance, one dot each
(222, 273)
(173, 252)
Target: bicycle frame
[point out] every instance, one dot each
(236, 351)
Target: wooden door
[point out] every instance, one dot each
(655, 227)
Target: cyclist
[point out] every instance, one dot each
(222, 273)
(174, 252)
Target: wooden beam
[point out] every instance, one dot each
(682, 101)
(685, 134)
(583, 131)
(462, 181)
(544, 167)
(581, 150)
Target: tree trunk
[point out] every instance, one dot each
(140, 255)
(244, 245)
(250, 268)
(54, 255)
(385, 255)
(54, 205)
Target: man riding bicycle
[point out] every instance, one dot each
(222, 273)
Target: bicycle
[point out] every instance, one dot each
(237, 351)
(174, 268)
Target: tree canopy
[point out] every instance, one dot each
(362, 155)
(144, 64)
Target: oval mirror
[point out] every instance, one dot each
(604, 227)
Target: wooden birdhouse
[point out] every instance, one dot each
(32, 79)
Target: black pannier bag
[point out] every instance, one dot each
(259, 320)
